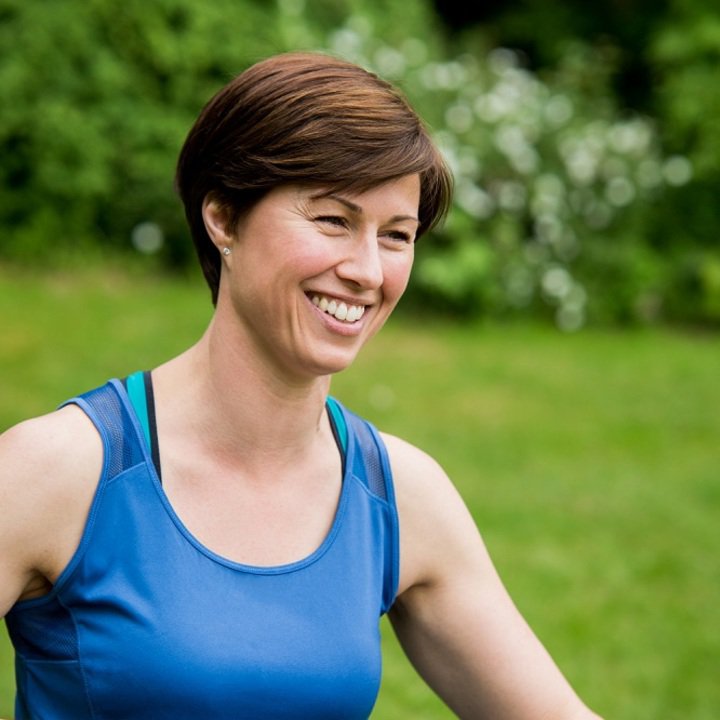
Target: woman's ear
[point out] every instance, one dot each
(216, 223)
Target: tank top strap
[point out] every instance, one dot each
(117, 426)
(369, 464)
(365, 449)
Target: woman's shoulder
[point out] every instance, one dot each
(61, 443)
(416, 471)
(421, 484)
(436, 528)
(49, 469)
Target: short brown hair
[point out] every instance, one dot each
(305, 118)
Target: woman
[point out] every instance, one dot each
(247, 531)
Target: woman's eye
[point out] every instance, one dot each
(334, 220)
(401, 236)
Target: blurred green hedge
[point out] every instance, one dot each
(568, 205)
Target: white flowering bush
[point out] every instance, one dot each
(551, 183)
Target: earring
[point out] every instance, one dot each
(226, 251)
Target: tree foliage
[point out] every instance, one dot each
(97, 98)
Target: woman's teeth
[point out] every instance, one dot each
(339, 310)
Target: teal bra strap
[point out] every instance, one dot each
(338, 420)
(138, 398)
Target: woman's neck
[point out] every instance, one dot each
(240, 408)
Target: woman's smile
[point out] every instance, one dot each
(340, 310)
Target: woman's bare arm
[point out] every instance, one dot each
(453, 616)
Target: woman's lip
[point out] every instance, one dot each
(359, 302)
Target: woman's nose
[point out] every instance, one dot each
(362, 265)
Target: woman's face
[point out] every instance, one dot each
(311, 276)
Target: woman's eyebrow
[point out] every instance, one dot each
(353, 207)
(347, 203)
(337, 198)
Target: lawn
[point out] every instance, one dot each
(589, 461)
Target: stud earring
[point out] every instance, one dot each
(226, 251)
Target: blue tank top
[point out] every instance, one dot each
(146, 622)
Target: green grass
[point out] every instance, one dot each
(589, 461)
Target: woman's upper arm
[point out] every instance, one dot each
(453, 616)
(48, 471)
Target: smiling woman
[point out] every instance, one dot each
(218, 537)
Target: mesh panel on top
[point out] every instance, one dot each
(367, 456)
(53, 627)
(123, 451)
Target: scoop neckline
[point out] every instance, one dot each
(277, 569)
